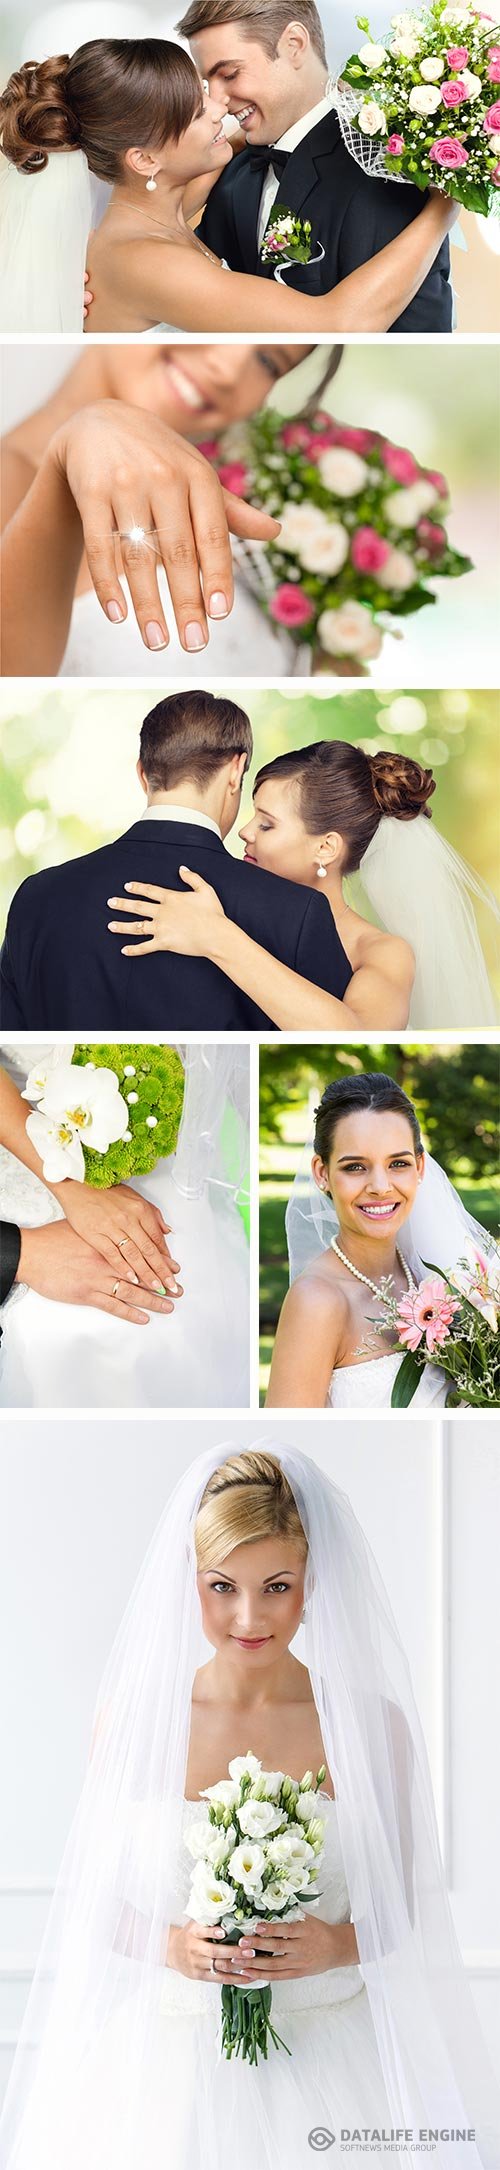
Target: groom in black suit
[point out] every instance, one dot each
(60, 968)
(273, 70)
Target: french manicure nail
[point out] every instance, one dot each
(194, 637)
(154, 636)
(217, 606)
(115, 612)
(133, 1277)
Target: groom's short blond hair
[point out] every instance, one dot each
(192, 735)
(264, 20)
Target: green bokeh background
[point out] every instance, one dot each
(68, 754)
(455, 1089)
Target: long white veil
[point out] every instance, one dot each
(434, 1234)
(93, 2009)
(45, 221)
(421, 889)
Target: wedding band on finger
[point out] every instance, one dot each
(123, 1241)
(115, 1288)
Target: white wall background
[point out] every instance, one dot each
(78, 1504)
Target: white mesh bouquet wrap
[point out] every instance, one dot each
(366, 150)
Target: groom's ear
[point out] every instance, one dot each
(142, 778)
(237, 771)
(294, 44)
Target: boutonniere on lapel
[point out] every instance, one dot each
(287, 239)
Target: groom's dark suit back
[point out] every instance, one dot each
(61, 969)
(351, 216)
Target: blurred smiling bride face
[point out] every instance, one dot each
(199, 389)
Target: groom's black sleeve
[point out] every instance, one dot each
(319, 955)
(11, 1009)
(375, 214)
(10, 1252)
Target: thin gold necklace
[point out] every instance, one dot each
(165, 230)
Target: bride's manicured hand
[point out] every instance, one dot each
(126, 1230)
(170, 920)
(129, 474)
(195, 1950)
(297, 1947)
(55, 1262)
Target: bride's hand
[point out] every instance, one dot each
(194, 1949)
(56, 1263)
(285, 1950)
(170, 920)
(126, 1230)
(129, 475)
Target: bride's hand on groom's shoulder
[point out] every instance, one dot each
(126, 1230)
(147, 498)
(170, 920)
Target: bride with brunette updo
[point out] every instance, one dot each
(369, 1212)
(259, 1635)
(69, 117)
(322, 814)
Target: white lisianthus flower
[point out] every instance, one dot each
(210, 1846)
(372, 56)
(270, 1784)
(327, 551)
(404, 507)
(342, 471)
(225, 1793)
(432, 69)
(246, 1866)
(399, 571)
(349, 632)
(258, 1818)
(244, 1767)
(89, 1101)
(306, 1807)
(37, 1078)
(473, 84)
(278, 1894)
(58, 1147)
(287, 1852)
(210, 1897)
(299, 525)
(424, 100)
(371, 119)
(460, 18)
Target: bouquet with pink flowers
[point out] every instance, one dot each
(451, 1320)
(422, 104)
(363, 530)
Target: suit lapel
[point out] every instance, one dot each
(246, 212)
(310, 170)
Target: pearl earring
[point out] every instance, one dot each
(152, 183)
(321, 871)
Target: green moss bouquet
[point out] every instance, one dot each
(103, 1112)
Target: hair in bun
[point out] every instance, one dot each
(340, 787)
(113, 93)
(401, 786)
(34, 115)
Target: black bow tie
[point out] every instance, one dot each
(265, 156)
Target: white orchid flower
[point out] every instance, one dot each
(89, 1101)
(37, 1077)
(58, 1147)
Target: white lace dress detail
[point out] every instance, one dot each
(369, 1386)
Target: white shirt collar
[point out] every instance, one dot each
(181, 813)
(295, 135)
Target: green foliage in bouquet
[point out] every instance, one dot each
(453, 146)
(151, 1080)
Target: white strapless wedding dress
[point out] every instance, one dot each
(74, 1356)
(369, 1386)
(244, 643)
(201, 2112)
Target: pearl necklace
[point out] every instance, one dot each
(376, 1291)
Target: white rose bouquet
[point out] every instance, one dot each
(423, 106)
(256, 1857)
(362, 531)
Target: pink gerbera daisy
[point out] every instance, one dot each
(426, 1315)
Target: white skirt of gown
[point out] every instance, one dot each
(200, 2111)
(369, 1386)
(246, 642)
(73, 1356)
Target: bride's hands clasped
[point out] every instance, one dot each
(126, 1230)
(274, 1951)
(132, 477)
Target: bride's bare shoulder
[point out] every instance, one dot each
(390, 955)
(318, 1299)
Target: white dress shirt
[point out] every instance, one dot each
(171, 812)
(289, 142)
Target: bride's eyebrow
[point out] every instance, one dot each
(263, 810)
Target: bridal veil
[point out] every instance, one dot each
(101, 1968)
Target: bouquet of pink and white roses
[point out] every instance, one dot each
(363, 530)
(422, 104)
(451, 1320)
(256, 1857)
